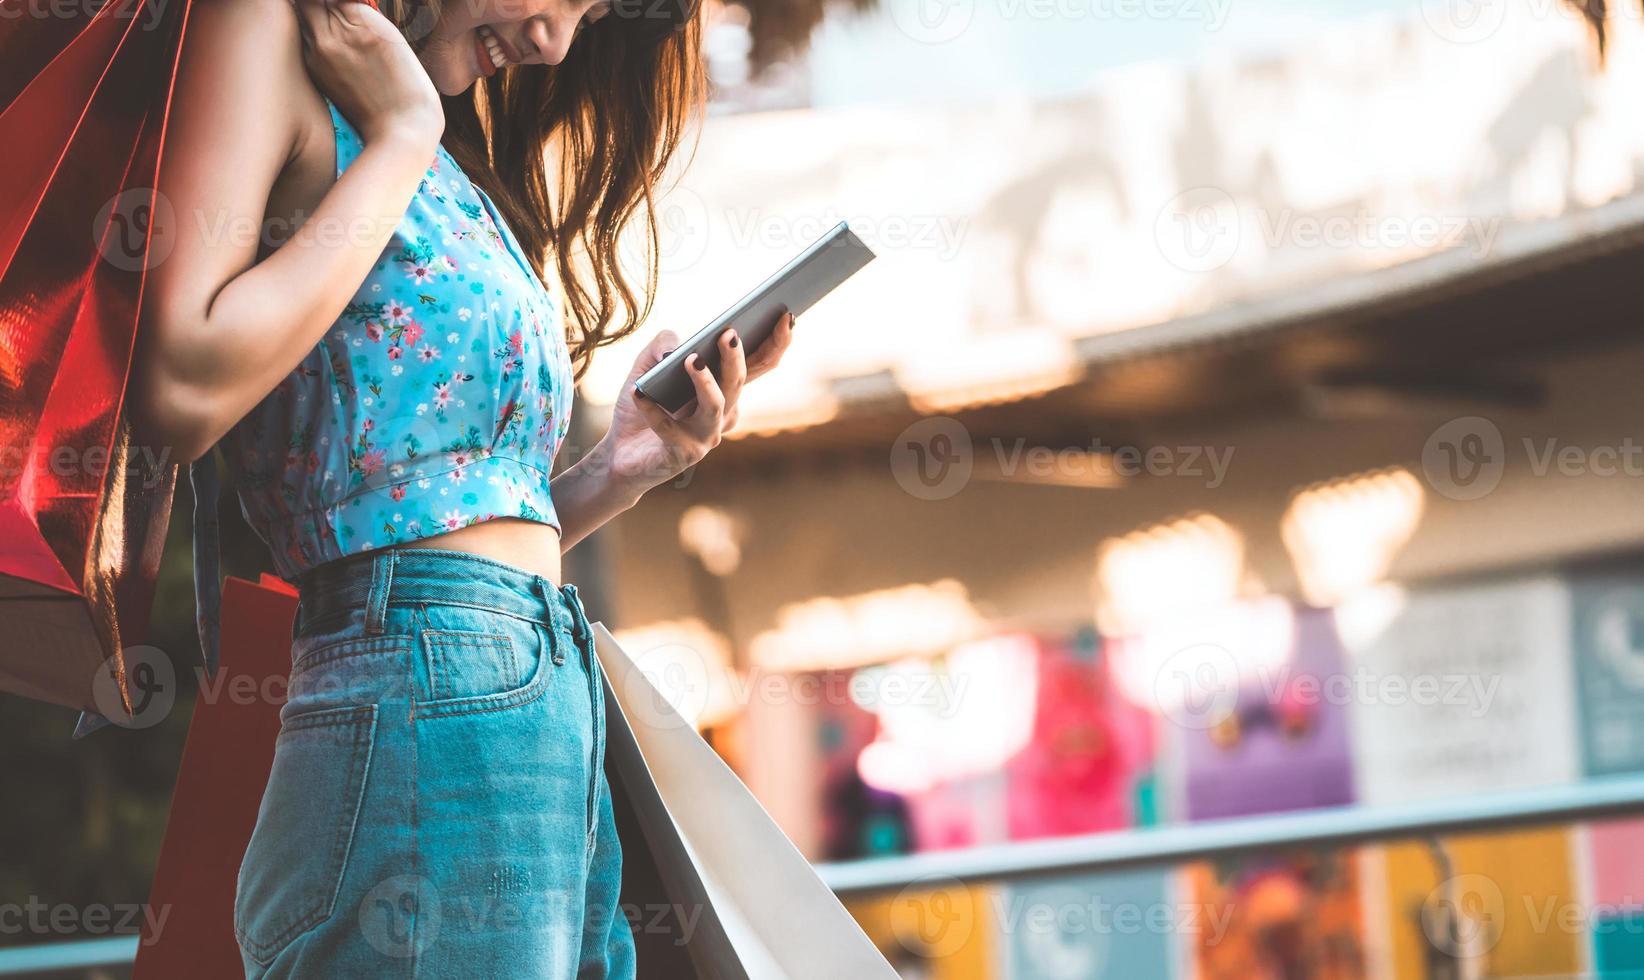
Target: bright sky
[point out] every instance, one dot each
(958, 50)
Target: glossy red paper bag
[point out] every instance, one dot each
(220, 783)
(84, 92)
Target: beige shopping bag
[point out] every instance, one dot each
(764, 912)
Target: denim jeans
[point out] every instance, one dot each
(438, 805)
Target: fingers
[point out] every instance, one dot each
(772, 349)
(660, 346)
(710, 401)
(733, 365)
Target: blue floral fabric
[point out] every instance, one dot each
(437, 400)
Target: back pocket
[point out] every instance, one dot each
(294, 864)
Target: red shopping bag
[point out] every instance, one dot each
(84, 93)
(226, 761)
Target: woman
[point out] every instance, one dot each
(390, 383)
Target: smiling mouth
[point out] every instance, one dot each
(492, 53)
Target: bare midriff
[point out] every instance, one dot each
(530, 545)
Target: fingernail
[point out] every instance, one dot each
(735, 340)
(700, 364)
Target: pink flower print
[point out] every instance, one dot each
(397, 492)
(397, 312)
(419, 273)
(427, 354)
(452, 520)
(373, 461)
(516, 344)
(368, 424)
(373, 331)
(411, 334)
(394, 352)
(442, 395)
(459, 458)
(450, 263)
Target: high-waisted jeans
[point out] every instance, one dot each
(438, 805)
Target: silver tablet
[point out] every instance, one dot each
(829, 261)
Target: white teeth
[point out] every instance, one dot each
(498, 59)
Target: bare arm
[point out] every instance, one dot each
(221, 329)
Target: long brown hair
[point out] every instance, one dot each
(1597, 13)
(612, 113)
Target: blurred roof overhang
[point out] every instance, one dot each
(1450, 329)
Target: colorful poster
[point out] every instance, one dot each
(1284, 742)
(1607, 609)
(1464, 689)
(1491, 905)
(938, 930)
(1090, 749)
(1616, 877)
(1103, 927)
(1283, 916)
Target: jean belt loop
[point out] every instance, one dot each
(382, 581)
(550, 632)
(579, 618)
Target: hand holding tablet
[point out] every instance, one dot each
(795, 288)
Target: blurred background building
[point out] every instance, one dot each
(1241, 419)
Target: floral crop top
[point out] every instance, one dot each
(438, 399)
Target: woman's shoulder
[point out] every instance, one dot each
(253, 44)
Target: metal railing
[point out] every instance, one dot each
(1596, 799)
(1325, 827)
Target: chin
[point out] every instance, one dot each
(452, 79)
(449, 66)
